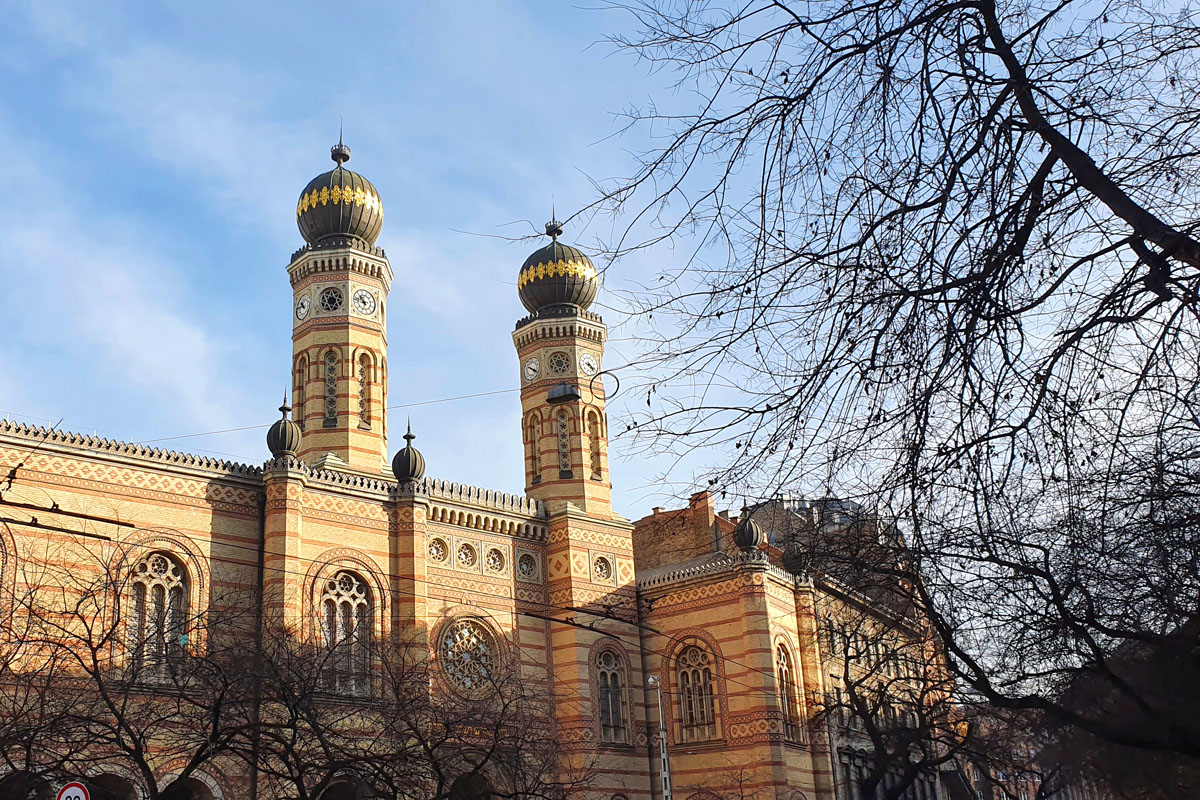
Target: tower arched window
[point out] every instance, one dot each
(785, 675)
(694, 670)
(298, 391)
(563, 427)
(158, 624)
(593, 431)
(346, 614)
(610, 683)
(331, 389)
(532, 434)
(364, 391)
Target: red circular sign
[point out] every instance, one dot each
(74, 791)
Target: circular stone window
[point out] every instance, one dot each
(330, 299)
(467, 652)
(466, 556)
(438, 550)
(558, 363)
(602, 569)
(494, 560)
(527, 565)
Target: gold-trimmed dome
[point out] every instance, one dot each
(557, 275)
(339, 203)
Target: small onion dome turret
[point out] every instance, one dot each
(748, 535)
(408, 464)
(557, 275)
(283, 437)
(339, 203)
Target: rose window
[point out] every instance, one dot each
(602, 569)
(558, 363)
(330, 299)
(466, 556)
(495, 560)
(437, 550)
(527, 566)
(468, 654)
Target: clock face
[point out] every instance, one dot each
(558, 363)
(302, 306)
(587, 363)
(364, 302)
(532, 367)
(330, 299)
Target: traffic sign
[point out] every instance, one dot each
(74, 791)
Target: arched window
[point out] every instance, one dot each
(331, 388)
(611, 683)
(298, 391)
(533, 431)
(158, 624)
(697, 707)
(364, 391)
(346, 616)
(785, 676)
(564, 441)
(593, 430)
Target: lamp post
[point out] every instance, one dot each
(665, 766)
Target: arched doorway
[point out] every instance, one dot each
(25, 785)
(471, 786)
(342, 790)
(187, 789)
(111, 787)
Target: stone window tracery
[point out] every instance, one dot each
(158, 625)
(527, 566)
(494, 560)
(468, 653)
(467, 558)
(602, 569)
(611, 681)
(346, 616)
(593, 428)
(697, 703)
(331, 387)
(364, 388)
(564, 441)
(786, 678)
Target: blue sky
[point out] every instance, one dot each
(154, 153)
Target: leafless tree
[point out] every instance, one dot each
(942, 257)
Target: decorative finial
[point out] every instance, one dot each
(285, 408)
(554, 229)
(339, 152)
(408, 437)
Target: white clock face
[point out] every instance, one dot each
(587, 363)
(364, 302)
(532, 367)
(302, 306)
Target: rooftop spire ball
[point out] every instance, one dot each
(283, 437)
(557, 275)
(408, 464)
(339, 204)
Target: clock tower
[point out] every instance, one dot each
(340, 282)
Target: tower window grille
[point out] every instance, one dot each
(786, 677)
(364, 387)
(594, 444)
(331, 387)
(610, 677)
(535, 456)
(346, 616)
(564, 442)
(697, 709)
(298, 392)
(158, 623)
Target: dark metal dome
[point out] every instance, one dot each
(556, 275)
(339, 203)
(283, 437)
(408, 464)
(749, 535)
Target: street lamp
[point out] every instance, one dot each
(665, 768)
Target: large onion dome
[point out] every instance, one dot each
(283, 437)
(339, 203)
(748, 535)
(557, 275)
(408, 464)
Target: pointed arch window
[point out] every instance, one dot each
(611, 681)
(157, 626)
(563, 426)
(331, 388)
(533, 430)
(298, 390)
(697, 704)
(593, 430)
(346, 615)
(785, 675)
(364, 391)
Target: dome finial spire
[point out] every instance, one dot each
(554, 228)
(339, 152)
(408, 437)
